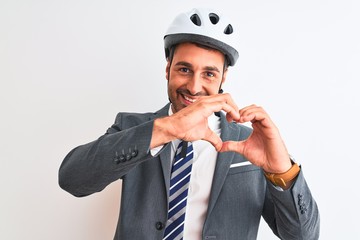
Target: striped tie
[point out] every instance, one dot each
(179, 184)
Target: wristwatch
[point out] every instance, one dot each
(282, 179)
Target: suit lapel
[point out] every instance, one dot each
(165, 153)
(223, 162)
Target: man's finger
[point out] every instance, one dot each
(231, 112)
(233, 146)
(224, 102)
(214, 139)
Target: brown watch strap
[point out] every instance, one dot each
(283, 178)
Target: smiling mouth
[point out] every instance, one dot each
(191, 100)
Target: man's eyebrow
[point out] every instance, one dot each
(186, 64)
(212, 68)
(189, 65)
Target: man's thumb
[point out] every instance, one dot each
(232, 146)
(214, 139)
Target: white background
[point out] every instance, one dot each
(67, 67)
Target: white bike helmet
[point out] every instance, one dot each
(206, 27)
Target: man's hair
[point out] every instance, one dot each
(173, 48)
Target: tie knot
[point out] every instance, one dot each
(184, 149)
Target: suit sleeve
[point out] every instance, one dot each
(91, 167)
(293, 213)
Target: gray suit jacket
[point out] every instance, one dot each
(239, 195)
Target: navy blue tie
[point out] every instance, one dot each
(179, 186)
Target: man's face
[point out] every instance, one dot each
(194, 72)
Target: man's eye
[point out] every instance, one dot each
(185, 70)
(210, 74)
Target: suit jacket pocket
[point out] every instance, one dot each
(239, 168)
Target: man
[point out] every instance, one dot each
(231, 175)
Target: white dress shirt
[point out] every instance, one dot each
(200, 182)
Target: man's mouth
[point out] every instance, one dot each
(192, 100)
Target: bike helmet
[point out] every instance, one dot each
(205, 27)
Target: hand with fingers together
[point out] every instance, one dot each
(265, 147)
(191, 122)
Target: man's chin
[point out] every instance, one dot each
(177, 107)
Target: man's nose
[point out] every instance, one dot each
(194, 85)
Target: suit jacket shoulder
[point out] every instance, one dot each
(125, 120)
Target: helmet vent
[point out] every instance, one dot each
(214, 19)
(228, 29)
(196, 19)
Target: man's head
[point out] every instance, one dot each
(199, 46)
(194, 71)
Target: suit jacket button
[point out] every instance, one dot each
(116, 160)
(128, 156)
(122, 158)
(159, 225)
(134, 153)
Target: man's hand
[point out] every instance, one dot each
(191, 122)
(264, 147)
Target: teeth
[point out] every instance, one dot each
(189, 99)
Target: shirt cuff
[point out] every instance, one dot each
(154, 151)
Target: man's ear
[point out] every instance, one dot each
(222, 81)
(224, 76)
(167, 70)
